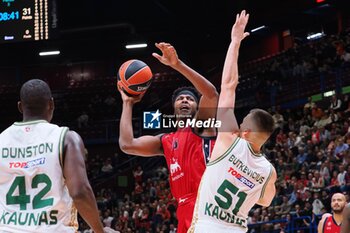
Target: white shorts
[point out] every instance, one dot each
(215, 228)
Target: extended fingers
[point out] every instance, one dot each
(162, 44)
(242, 17)
(156, 55)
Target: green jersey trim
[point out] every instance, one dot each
(267, 180)
(61, 146)
(252, 151)
(221, 157)
(29, 122)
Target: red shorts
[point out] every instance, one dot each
(184, 213)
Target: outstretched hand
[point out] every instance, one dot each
(130, 99)
(237, 33)
(169, 56)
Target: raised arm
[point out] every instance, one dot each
(229, 81)
(141, 146)
(77, 182)
(209, 99)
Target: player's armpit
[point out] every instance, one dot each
(143, 146)
(269, 190)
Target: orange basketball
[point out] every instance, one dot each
(134, 77)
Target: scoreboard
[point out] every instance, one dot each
(27, 20)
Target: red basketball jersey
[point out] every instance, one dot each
(186, 155)
(330, 226)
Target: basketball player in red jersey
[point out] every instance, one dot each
(187, 149)
(330, 223)
(345, 225)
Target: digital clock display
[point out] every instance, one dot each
(27, 20)
(4, 16)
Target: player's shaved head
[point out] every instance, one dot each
(35, 95)
(338, 202)
(263, 121)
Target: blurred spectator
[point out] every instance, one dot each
(302, 156)
(107, 166)
(325, 135)
(136, 215)
(347, 179)
(83, 120)
(172, 228)
(267, 227)
(279, 121)
(323, 121)
(317, 204)
(107, 220)
(317, 113)
(341, 178)
(340, 148)
(138, 174)
(335, 103)
(284, 208)
(345, 57)
(309, 106)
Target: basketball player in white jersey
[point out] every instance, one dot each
(238, 175)
(43, 179)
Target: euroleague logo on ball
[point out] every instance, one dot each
(134, 77)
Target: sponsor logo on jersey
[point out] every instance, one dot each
(241, 178)
(28, 164)
(175, 168)
(246, 170)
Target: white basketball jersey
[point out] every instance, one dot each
(231, 185)
(33, 194)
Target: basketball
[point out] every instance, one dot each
(134, 77)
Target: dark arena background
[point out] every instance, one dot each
(294, 63)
